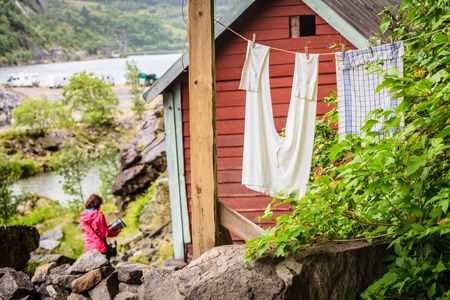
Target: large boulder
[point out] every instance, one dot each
(143, 158)
(48, 258)
(60, 276)
(324, 271)
(8, 101)
(57, 292)
(157, 211)
(91, 279)
(127, 296)
(42, 272)
(132, 273)
(75, 296)
(88, 261)
(14, 284)
(17, 243)
(49, 240)
(107, 289)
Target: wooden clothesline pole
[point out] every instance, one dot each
(202, 112)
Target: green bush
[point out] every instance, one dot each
(398, 187)
(40, 114)
(10, 170)
(93, 97)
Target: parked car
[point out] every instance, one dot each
(23, 79)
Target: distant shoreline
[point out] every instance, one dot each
(92, 57)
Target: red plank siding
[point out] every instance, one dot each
(271, 25)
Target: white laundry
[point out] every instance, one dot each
(272, 162)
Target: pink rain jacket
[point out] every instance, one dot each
(98, 223)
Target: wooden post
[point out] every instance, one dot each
(202, 112)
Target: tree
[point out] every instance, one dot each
(8, 175)
(110, 160)
(398, 187)
(132, 77)
(40, 114)
(92, 97)
(72, 163)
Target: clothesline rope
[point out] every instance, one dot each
(332, 53)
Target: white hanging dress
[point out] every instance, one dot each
(272, 162)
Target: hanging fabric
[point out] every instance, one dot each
(272, 162)
(356, 91)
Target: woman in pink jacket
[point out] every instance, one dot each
(93, 219)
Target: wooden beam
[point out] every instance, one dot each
(202, 114)
(172, 171)
(180, 158)
(238, 224)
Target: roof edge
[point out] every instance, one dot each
(337, 22)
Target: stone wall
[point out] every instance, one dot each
(327, 271)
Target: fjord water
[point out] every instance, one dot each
(152, 64)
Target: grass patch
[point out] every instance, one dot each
(134, 211)
(72, 244)
(165, 252)
(45, 215)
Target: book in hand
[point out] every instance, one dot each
(117, 225)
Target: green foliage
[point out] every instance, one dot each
(110, 161)
(72, 163)
(134, 210)
(21, 167)
(41, 114)
(37, 216)
(93, 97)
(30, 268)
(364, 187)
(10, 170)
(136, 90)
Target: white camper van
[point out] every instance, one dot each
(23, 79)
(105, 78)
(58, 81)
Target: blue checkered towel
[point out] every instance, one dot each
(356, 91)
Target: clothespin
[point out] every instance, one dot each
(343, 50)
(370, 48)
(254, 39)
(307, 52)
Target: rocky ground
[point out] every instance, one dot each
(326, 271)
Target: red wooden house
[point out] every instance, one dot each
(285, 24)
